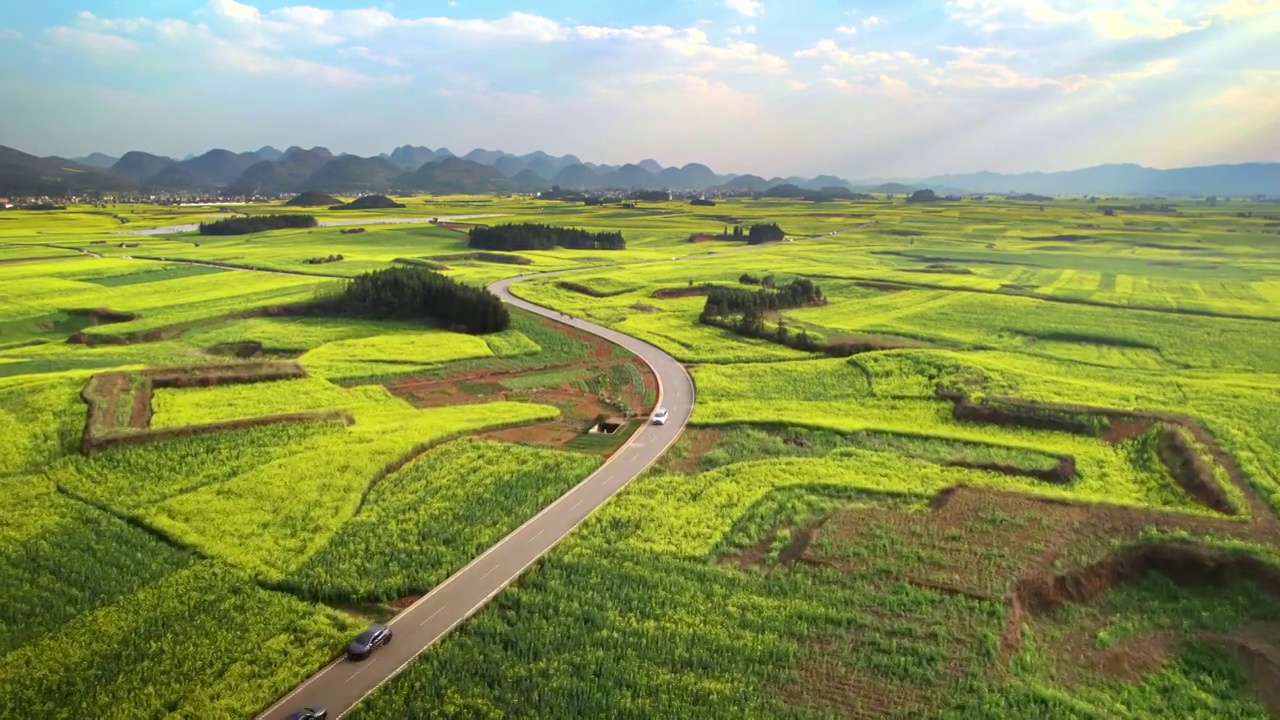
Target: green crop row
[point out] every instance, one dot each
(429, 519)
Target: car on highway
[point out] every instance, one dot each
(660, 416)
(309, 713)
(376, 636)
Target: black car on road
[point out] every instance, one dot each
(376, 636)
(309, 714)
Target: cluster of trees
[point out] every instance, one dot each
(533, 236)
(724, 301)
(702, 202)
(257, 223)
(749, 279)
(759, 233)
(558, 193)
(742, 311)
(323, 260)
(763, 233)
(752, 325)
(414, 292)
(922, 196)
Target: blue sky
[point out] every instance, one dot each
(775, 87)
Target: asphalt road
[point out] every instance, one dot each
(342, 684)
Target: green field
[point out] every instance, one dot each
(833, 537)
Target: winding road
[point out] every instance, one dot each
(342, 684)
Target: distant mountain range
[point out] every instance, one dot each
(415, 168)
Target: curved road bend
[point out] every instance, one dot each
(342, 684)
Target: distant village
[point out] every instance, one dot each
(181, 198)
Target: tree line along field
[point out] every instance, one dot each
(803, 552)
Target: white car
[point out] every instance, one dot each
(660, 416)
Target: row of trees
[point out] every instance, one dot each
(533, 236)
(411, 292)
(324, 260)
(257, 223)
(751, 324)
(723, 301)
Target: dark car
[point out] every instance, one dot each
(309, 714)
(376, 636)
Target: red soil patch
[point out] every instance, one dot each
(579, 408)
(106, 424)
(1122, 430)
(1257, 649)
(400, 604)
(140, 417)
(693, 444)
(579, 411)
(549, 434)
(155, 435)
(1033, 555)
(979, 542)
(1192, 472)
(1080, 660)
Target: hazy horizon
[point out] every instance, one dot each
(890, 90)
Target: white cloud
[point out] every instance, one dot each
(796, 85)
(1127, 24)
(972, 73)
(689, 45)
(978, 53)
(838, 57)
(1232, 9)
(364, 53)
(293, 41)
(1106, 19)
(742, 30)
(970, 68)
(184, 44)
(746, 8)
(1148, 70)
(10, 34)
(847, 29)
(871, 21)
(1256, 95)
(91, 42)
(988, 13)
(871, 84)
(517, 25)
(235, 10)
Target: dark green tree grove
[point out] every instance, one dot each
(533, 236)
(410, 292)
(257, 223)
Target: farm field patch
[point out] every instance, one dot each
(833, 538)
(1034, 399)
